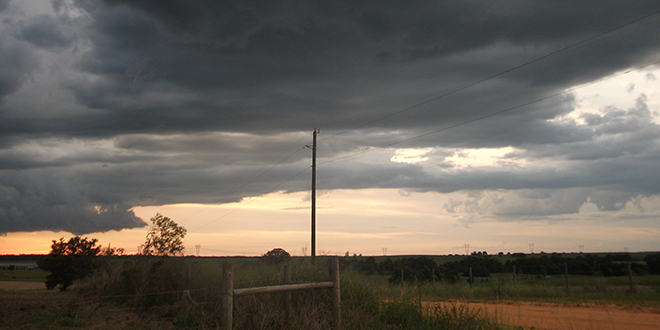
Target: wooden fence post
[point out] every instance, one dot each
(333, 269)
(514, 274)
(566, 272)
(632, 286)
(471, 278)
(287, 297)
(226, 318)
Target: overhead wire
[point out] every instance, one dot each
(492, 114)
(440, 96)
(238, 188)
(432, 99)
(501, 73)
(252, 200)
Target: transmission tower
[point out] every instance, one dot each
(581, 248)
(531, 248)
(467, 249)
(384, 251)
(197, 247)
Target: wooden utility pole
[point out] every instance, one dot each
(314, 196)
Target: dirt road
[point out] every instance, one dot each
(550, 316)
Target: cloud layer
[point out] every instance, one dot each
(107, 105)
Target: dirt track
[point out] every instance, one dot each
(550, 316)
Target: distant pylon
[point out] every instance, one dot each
(197, 247)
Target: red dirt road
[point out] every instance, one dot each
(550, 316)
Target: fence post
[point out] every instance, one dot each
(333, 269)
(471, 278)
(514, 274)
(566, 272)
(287, 297)
(226, 318)
(630, 277)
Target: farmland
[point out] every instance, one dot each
(184, 293)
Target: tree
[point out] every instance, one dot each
(164, 238)
(69, 261)
(276, 256)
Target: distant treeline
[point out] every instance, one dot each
(21, 257)
(424, 268)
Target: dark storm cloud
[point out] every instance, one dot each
(4, 4)
(54, 200)
(45, 31)
(151, 103)
(17, 61)
(278, 66)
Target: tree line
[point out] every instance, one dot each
(412, 269)
(77, 258)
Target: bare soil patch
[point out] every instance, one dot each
(19, 286)
(45, 310)
(553, 316)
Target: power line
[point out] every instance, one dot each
(435, 98)
(238, 188)
(251, 200)
(486, 116)
(472, 84)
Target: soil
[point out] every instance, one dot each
(28, 305)
(16, 285)
(23, 307)
(553, 316)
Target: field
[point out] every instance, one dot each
(183, 293)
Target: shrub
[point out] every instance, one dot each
(276, 256)
(69, 261)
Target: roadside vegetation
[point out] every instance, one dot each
(172, 291)
(184, 292)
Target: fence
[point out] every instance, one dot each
(228, 292)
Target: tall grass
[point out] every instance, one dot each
(582, 290)
(186, 291)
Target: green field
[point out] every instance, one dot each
(186, 292)
(20, 273)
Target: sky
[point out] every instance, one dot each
(446, 127)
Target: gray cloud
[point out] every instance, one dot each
(4, 4)
(17, 61)
(45, 31)
(54, 200)
(135, 103)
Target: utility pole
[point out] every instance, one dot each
(314, 196)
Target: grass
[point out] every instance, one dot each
(186, 291)
(23, 275)
(582, 290)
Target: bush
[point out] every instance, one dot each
(276, 256)
(69, 261)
